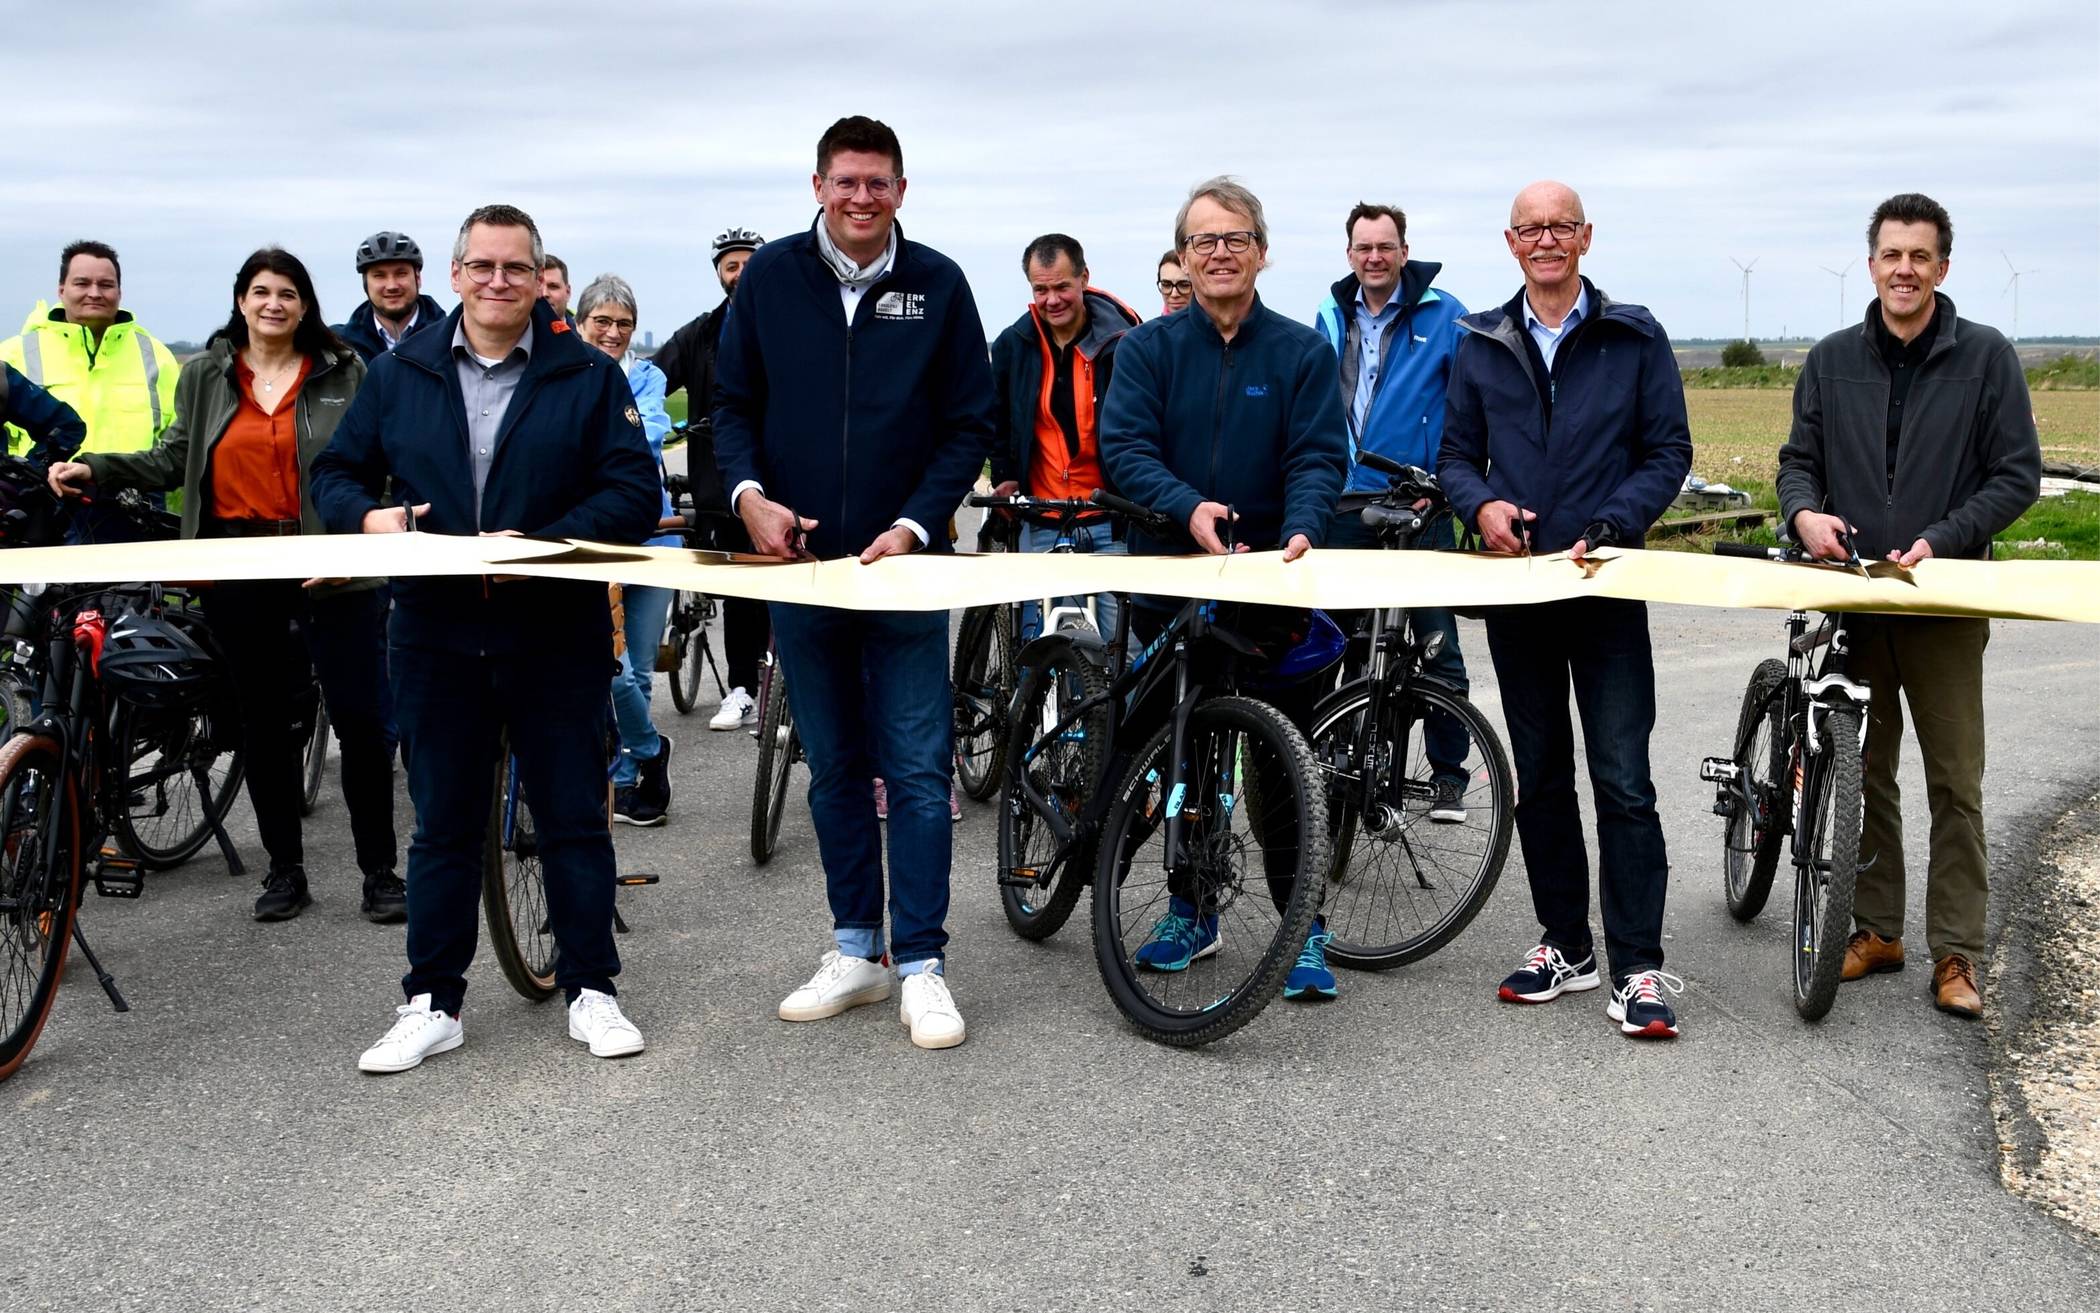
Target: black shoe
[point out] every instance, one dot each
(1449, 805)
(653, 777)
(630, 808)
(284, 895)
(386, 899)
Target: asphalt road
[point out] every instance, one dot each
(1414, 1144)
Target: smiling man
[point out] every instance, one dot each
(1565, 430)
(391, 266)
(1913, 436)
(1052, 367)
(89, 353)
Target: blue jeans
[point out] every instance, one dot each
(1444, 738)
(1600, 647)
(647, 611)
(870, 694)
(1036, 538)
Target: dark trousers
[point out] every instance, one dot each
(1600, 647)
(747, 627)
(341, 637)
(1444, 739)
(870, 694)
(453, 708)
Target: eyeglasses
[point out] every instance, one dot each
(879, 187)
(605, 324)
(1181, 288)
(1235, 242)
(1382, 248)
(1531, 232)
(484, 271)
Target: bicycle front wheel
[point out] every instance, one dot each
(40, 863)
(1824, 885)
(1750, 839)
(1422, 803)
(983, 681)
(514, 886)
(686, 644)
(1194, 943)
(166, 809)
(778, 747)
(1040, 879)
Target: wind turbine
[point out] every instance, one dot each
(2013, 285)
(1839, 274)
(1746, 268)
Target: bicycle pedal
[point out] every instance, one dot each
(638, 878)
(118, 876)
(1022, 877)
(1719, 770)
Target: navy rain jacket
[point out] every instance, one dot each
(570, 462)
(363, 334)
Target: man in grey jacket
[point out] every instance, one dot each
(1913, 434)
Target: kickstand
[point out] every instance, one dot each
(707, 650)
(102, 977)
(234, 868)
(619, 922)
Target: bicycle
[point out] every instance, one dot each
(1419, 788)
(779, 748)
(1172, 829)
(685, 647)
(1795, 769)
(981, 676)
(103, 657)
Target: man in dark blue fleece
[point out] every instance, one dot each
(1226, 418)
(851, 385)
(1566, 431)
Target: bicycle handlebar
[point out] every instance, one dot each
(1142, 516)
(1751, 552)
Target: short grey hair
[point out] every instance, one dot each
(499, 216)
(1233, 195)
(603, 288)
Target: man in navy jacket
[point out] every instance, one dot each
(1566, 431)
(853, 410)
(1226, 418)
(499, 421)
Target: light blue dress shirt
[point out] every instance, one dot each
(1370, 332)
(1549, 339)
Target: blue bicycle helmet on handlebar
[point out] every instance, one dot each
(1322, 646)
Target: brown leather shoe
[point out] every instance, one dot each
(1954, 987)
(1867, 952)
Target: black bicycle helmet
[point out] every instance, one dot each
(382, 247)
(150, 662)
(736, 239)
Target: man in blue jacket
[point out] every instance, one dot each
(853, 410)
(499, 421)
(1566, 431)
(1226, 416)
(390, 265)
(1394, 335)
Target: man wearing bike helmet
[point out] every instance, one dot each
(1913, 437)
(688, 362)
(391, 265)
(1226, 419)
(1564, 431)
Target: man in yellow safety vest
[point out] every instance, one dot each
(94, 357)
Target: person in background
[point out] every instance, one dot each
(391, 267)
(554, 286)
(51, 427)
(1174, 285)
(605, 315)
(254, 411)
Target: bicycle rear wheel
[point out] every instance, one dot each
(685, 642)
(1825, 884)
(1039, 881)
(1411, 868)
(316, 756)
(1750, 839)
(778, 750)
(1253, 816)
(164, 816)
(39, 888)
(983, 680)
(514, 886)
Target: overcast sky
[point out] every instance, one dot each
(188, 133)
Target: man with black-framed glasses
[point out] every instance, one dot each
(1565, 430)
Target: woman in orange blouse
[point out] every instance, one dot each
(251, 413)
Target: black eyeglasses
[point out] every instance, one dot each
(1235, 242)
(484, 271)
(1172, 288)
(1531, 232)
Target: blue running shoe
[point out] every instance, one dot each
(1178, 938)
(1639, 1007)
(1311, 977)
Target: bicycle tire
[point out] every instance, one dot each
(1068, 770)
(15, 701)
(1750, 842)
(983, 685)
(514, 886)
(778, 747)
(161, 818)
(316, 757)
(1385, 907)
(36, 930)
(1223, 991)
(685, 675)
(1825, 885)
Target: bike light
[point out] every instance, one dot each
(1432, 645)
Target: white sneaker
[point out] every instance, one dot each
(841, 984)
(930, 1012)
(738, 709)
(596, 1019)
(418, 1032)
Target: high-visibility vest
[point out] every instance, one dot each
(124, 391)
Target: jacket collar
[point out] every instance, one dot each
(1504, 322)
(553, 348)
(1209, 331)
(1943, 317)
(1107, 318)
(222, 350)
(1414, 289)
(48, 316)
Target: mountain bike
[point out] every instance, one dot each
(1795, 769)
(779, 748)
(1419, 788)
(981, 677)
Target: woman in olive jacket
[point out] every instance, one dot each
(251, 413)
